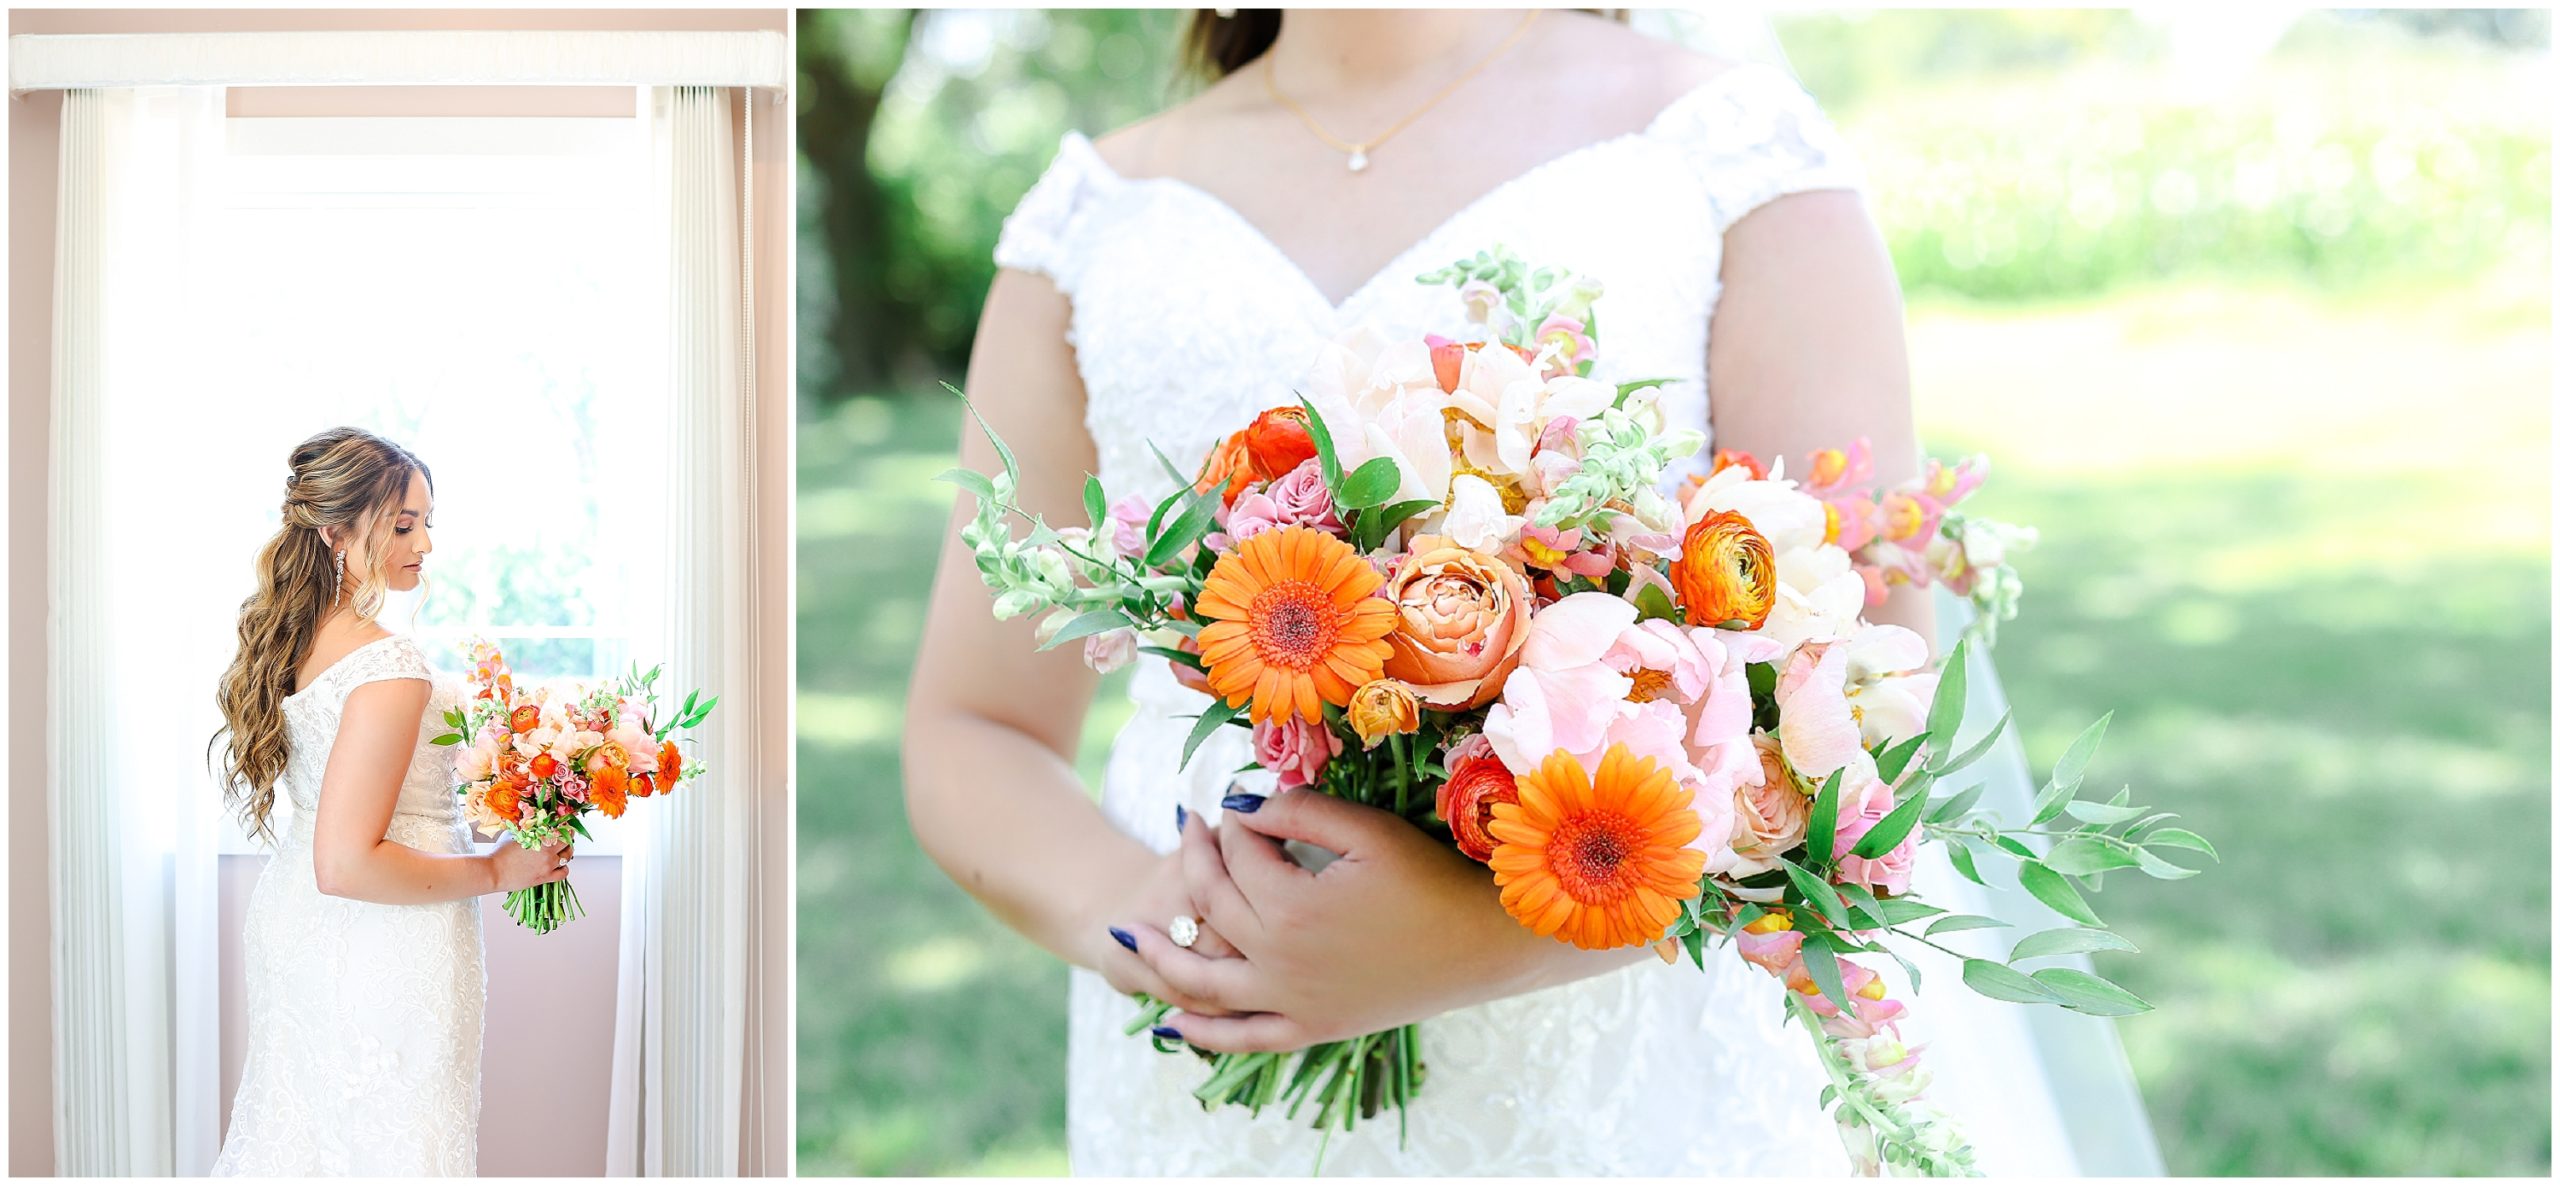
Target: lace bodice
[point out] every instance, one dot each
(1186, 321)
(364, 1019)
(426, 804)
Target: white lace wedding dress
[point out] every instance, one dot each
(364, 1018)
(1186, 321)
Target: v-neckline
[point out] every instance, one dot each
(1398, 262)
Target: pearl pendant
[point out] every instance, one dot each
(1359, 160)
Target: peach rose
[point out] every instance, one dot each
(1726, 574)
(1477, 781)
(1383, 708)
(1768, 819)
(1462, 617)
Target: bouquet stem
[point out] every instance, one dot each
(546, 906)
(1345, 1082)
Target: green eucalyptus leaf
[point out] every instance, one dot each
(1218, 713)
(2094, 995)
(1898, 911)
(2050, 889)
(1328, 462)
(1946, 709)
(1817, 893)
(969, 480)
(1962, 922)
(1818, 830)
(2161, 867)
(1960, 855)
(1981, 745)
(1890, 830)
(1954, 806)
(1823, 964)
(1094, 508)
(2068, 941)
(2182, 838)
(447, 739)
(2080, 856)
(1085, 625)
(2003, 983)
(2102, 814)
(1890, 763)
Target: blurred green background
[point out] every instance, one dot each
(2253, 313)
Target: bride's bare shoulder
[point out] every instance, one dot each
(1152, 147)
(1646, 71)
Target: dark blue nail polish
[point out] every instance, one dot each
(1181, 816)
(1242, 801)
(1124, 938)
(1166, 1031)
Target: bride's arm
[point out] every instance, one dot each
(992, 723)
(1808, 352)
(351, 858)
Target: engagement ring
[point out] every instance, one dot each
(1184, 930)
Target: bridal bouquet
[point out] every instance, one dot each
(1452, 582)
(538, 762)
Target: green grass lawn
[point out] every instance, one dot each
(2299, 546)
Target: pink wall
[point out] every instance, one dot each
(507, 1148)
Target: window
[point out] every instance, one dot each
(480, 291)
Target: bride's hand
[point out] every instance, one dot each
(1401, 927)
(1158, 897)
(514, 867)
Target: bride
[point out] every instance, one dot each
(365, 987)
(1163, 284)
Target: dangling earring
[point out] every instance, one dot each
(339, 589)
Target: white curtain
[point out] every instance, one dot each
(680, 1026)
(134, 816)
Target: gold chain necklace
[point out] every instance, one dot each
(1360, 150)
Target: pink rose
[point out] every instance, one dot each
(1250, 515)
(1860, 811)
(1302, 499)
(1294, 749)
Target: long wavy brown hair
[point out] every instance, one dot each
(353, 482)
(1216, 46)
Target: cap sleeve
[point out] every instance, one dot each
(396, 657)
(1752, 135)
(1039, 236)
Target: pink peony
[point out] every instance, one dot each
(1294, 749)
(1816, 730)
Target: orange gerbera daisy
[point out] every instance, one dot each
(1597, 861)
(1289, 624)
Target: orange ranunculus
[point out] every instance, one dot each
(1725, 573)
(642, 786)
(608, 754)
(544, 766)
(610, 789)
(1229, 465)
(506, 800)
(1277, 442)
(1477, 781)
(1289, 624)
(1461, 618)
(670, 766)
(524, 718)
(1728, 458)
(1598, 859)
